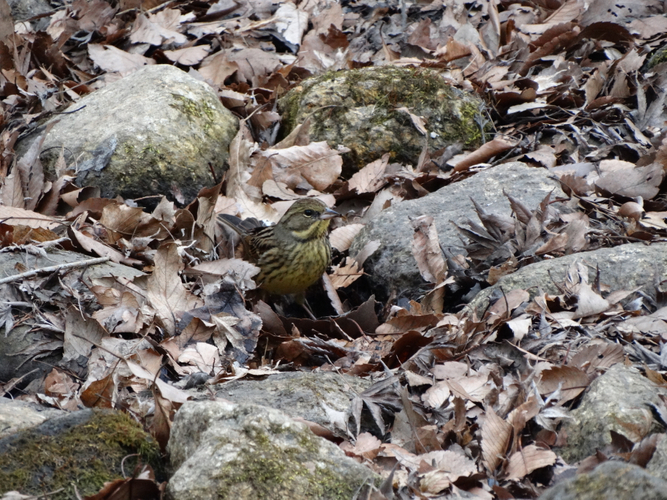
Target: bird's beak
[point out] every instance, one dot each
(329, 214)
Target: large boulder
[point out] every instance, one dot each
(156, 131)
(221, 450)
(393, 266)
(625, 267)
(368, 110)
(299, 394)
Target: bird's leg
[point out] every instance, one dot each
(300, 299)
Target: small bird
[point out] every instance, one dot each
(292, 254)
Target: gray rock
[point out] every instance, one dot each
(619, 400)
(360, 110)
(624, 267)
(221, 450)
(610, 481)
(19, 415)
(156, 131)
(31, 353)
(393, 267)
(298, 394)
(23, 10)
(658, 463)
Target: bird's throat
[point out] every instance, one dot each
(315, 231)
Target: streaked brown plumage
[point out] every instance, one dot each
(294, 253)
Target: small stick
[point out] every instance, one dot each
(52, 269)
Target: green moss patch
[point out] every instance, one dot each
(365, 110)
(84, 449)
(272, 472)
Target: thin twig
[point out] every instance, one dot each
(53, 269)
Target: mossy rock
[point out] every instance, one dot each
(361, 109)
(157, 131)
(83, 450)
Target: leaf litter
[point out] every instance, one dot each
(463, 401)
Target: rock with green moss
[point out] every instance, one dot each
(368, 110)
(76, 452)
(248, 452)
(156, 131)
(610, 480)
(621, 400)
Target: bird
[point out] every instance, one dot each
(292, 254)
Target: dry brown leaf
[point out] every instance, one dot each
(13, 215)
(366, 446)
(165, 290)
(189, 56)
(496, 434)
(625, 179)
(435, 396)
(569, 380)
(589, 303)
(81, 335)
(316, 163)
(426, 250)
(341, 238)
(508, 302)
(527, 460)
(161, 27)
(599, 356)
(484, 153)
(345, 274)
(110, 58)
(91, 245)
(12, 191)
(217, 67)
(371, 177)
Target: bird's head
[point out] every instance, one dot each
(307, 218)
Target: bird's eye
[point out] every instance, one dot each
(309, 213)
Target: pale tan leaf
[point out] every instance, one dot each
(450, 369)
(435, 396)
(527, 460)
(496, 435)
(159, 28)
(14, 215)
(366, 446)
(367, 250)
(188, 56)
(254, 63)
(370, 178)
(417, 121)
(12, 191)
(31, 173)
(91, 245)
(589, 303)
(217, 67)
(341, 238)
(110, 58)
(290, 22)
(626, 179)
(81, 335)
(569, 380)
(316, 163)
(166, 292)
(520, 326)
(345, 274)
(426, 250)
(167, 391)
